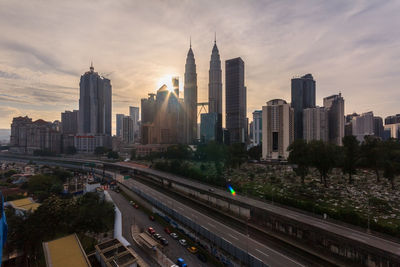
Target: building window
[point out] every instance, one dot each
(274, 141)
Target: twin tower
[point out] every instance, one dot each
(214, 93)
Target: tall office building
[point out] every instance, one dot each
(128, 130)
(208, 127)
(315, 124)
(303, 96)
(236, 102)
(134, 114)
(190, 98)
(69, 122)
(335, 106)
(378, 127)
(119, 118)
(94, 104)
(363, 125)
(149, 110)
(215, 90)
(256, 127)
(277, 129)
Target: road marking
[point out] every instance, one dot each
(233, 237)
(211, 225)
(283, 256)
(180, 208)
(262, 252)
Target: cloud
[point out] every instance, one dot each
(348, 46)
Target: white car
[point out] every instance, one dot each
(183, 242)
(174, 235)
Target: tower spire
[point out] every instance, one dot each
(91, 66)
(215, 37)
(190, 38)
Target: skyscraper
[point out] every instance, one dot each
(208, 127)
(94, 104)
(134, 114)
(119, 118)
(257, 127)
(363, 125)
(190, 97)
(277, 129)
(236, 107)
(128, 130)
(69, 122)
(303, 96)
(215, 90)
(315, 124)
(378, 127)
(335, 106)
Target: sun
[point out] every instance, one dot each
(167, 80)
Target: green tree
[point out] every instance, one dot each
(300, 155)
(100, 150)
(350, 155)
(323, 158)
(391, 160)
(42, 186)
(133, 154)
(255, 152)
(113, 155)
(179, 151)
(236, 155)
(371, 154)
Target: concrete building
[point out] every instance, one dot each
(69, 122)
(392, 119)
(94, 104)
(190, 98)
(128, 130)
(113, 253)
(236, 100)
(277, 129)
(209, 127)
(315, 124)
(303, 96)
(335, 106)
(256, 128)
(363, 125)
(215, 89)
(119, 118)
(28, 137)
(378, 127)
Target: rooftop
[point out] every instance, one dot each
(65, 251)
(25, 204)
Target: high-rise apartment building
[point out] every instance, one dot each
(315, 124)
(277, 129)
(69, 122)
(134, 114)
(94, 104)
(119, 118)
(335, 106)
(392, 119)
(363, 125)
(303, 96)
(190, 98)
(236, 100)
(256, 126)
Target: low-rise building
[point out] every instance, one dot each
(113, 253)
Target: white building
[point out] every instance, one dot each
(363, 125)
(257, 127)
(277, 129)
(393, 129)
(315, 124)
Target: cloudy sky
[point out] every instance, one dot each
(352, 47)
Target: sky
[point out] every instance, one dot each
(352, 47)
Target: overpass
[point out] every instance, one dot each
(335, 243)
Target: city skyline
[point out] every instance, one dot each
(38, 79)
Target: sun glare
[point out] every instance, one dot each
(167, 80)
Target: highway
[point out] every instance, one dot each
(358, 236)
(264, 253)
(131, 216)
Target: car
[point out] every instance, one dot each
(166, 229)
(164, 241)
(151, 230)
(192, 249)
(174, 235)
(157, 236)
(183, 242)
(151, 217)
(202, 257)
(136, 206)
(211, 189)
(181, 262)
(131, 202)
(174, 265)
